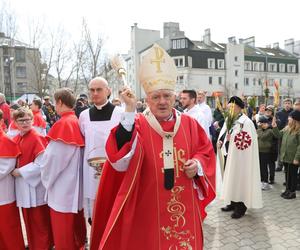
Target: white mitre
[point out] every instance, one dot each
(157, 70)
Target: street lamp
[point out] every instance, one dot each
(9, 61)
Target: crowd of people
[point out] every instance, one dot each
(140, 172)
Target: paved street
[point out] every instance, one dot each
(275, 226)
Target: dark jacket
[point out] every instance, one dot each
(265, 139)
(283, 115)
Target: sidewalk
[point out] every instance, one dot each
(276, 226)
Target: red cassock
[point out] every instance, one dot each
(10, 226)
(37, 219)
(134, 211)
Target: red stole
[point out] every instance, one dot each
(67, 130)
(8, 148)
(38, 120)
(138, 207)
(31, 145)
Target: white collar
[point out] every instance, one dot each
(99, 107)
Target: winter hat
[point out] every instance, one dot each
(263, 119)
(238, 101)
(295, 115)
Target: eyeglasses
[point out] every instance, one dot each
(24, 121)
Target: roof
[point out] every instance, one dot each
(214, 47)
(269, 52)
(7, 41)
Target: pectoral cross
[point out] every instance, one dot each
(159, 54)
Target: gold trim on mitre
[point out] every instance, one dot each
(157, 70)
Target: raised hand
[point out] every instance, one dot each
(129, 99)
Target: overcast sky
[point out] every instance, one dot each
(268, 20)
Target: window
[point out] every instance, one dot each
(247, 65)
(261, 66)
(179, 61)
(220, 80)
(235, 58)
(5, 50)
(291, 68)
(282, 67)
(20, 55)
(220, 63)
(255, 66)
(22, 85)
(21, 72)
(254, 81)
(246, 81)
(211, 63)
(272, 67)
(259, 82)
(236, 85)
(174, 44)
(236, 73)
(290, 83)
(210, 80)
(180, 79)
(182, 43)
(179, 44)
(280, 82)
(271, 82)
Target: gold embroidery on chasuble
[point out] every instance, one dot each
(179, 160)
(180, 238)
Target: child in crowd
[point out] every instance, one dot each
(39, 123)
(30, 191)
(265, 136)
(10, 226)
(12, 128)
(61, 173)
(269, 113)
(290, 152)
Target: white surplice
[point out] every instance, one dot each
(7, 181)
(198, 114)
(96, 134)
(62, 177)
(30, 191)
(207, 112)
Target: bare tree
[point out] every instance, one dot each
(8, 21)
(92, 54)
(63, 62)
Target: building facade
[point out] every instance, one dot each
(232, 68)
(20, 68)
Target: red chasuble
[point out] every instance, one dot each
(67, 130)
(31, 145)
(10, 226)
(134, 211)
(38, 120)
